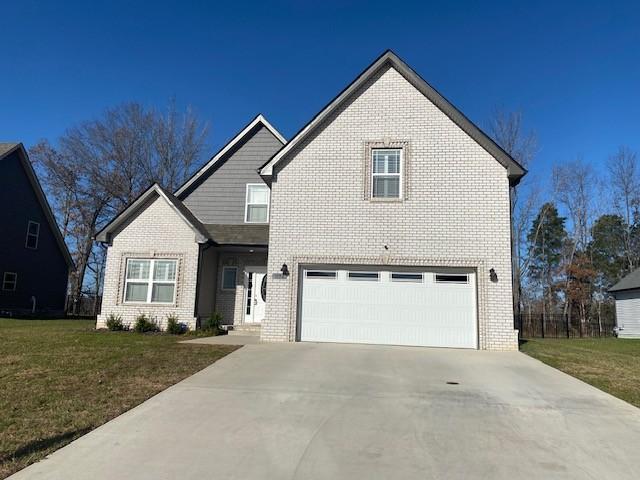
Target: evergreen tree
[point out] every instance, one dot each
(547, 238)
(608, 249)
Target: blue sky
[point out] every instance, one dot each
(573, 68)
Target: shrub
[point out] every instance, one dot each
(114, 323)
(212, 324)
(174, 327)
(145, 324)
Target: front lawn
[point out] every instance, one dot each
(60, 379)
(610, 364)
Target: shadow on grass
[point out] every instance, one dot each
(522, 341)
(36, 446)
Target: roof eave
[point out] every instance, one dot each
(104, 235)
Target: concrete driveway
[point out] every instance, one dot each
(312, 411)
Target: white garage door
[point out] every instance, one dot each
(393, 307)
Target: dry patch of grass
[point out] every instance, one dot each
(610, 364)
(60, 379)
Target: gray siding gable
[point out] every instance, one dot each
(219, 197)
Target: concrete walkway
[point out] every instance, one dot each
(311, 411)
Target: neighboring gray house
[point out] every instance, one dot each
(388, 220)
(627, 295)
(34, 260)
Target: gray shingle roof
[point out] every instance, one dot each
(247, 234)
(7, 147)
(630, 282)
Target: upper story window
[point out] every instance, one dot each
(386, 173)
(150, 281)
(257, 203)
(9, 281)
(33, 234)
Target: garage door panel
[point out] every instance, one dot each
(424, 312)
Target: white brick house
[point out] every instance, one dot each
(389, 222)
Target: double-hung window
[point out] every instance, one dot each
(386, 173)
(257, 203)
(150, 281)
(33, 233)
(9, 281)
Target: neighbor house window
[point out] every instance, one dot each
(9, 281)
(33, 233)
(257, 203)
(150, 281)
(386, 173)
(229, 275)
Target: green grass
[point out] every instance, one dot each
(60, 379)
(610, 364)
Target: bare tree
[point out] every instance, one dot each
(624, 174)
(508, 131)
(100, 166)
(576, 188)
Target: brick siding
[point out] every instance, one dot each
(157, 232)
(457, 213)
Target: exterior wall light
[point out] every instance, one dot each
(285, 270)
(493, 276)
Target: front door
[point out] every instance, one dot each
(256, 294)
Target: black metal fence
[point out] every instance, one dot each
(87, 306)
(558, 325)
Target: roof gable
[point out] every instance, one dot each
(629, 282)
(514, 170)
(225, 152)
(202, 236)
(7, 149)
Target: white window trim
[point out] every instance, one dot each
(4, 281)
(246, 201)
(235, 278)
(149, 281)
(399, 175)
(29, 234)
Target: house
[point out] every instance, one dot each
(384, 220)
(34, 259)
(627, 295)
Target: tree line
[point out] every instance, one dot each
(575, 236)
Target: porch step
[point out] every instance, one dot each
(248, 329)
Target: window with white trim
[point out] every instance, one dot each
(9, 281)
(257, 203)
(229, 275)
(33, 234)
(150, 281)
(386, 173)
